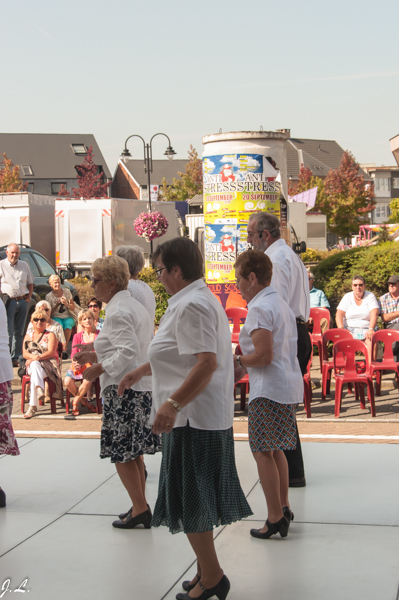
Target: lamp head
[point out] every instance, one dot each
(170, 152)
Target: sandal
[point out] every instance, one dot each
(75, 408)
(91, 408)
(32, 410)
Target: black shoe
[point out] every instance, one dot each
(65, 356)
(2, 498)
(220, 590)
(299, 482)
(187, 586)
(123, 516)
(131, 522)
(289, 515)
(280, 527)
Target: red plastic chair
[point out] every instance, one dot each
(236, 314)
(332, 335)
(97, 391)
(243, 383)
(307, 388)
(348, 348)
(387, 336)
(316, 336)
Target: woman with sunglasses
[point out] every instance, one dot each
(360, 311)
(52, 325)
(94, 306)
(40, 353)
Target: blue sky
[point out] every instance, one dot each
(323, 70)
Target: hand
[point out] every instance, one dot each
(91, 373)
(369, 334)
(27, 299)
(310, 321)
(128, 380)
(75, 365)
(165, 419)
(89, 347)
(85, 357)
(239, 373)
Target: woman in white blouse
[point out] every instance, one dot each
(190, 362)
(268, 342)
(139, 290)
(360, 309)
(120, 347)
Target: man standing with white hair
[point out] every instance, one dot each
(16, 281)
(290, 280)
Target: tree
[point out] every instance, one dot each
(343, 196)
(394, 208)
(189, 184)
(89, 180)
(10, 180)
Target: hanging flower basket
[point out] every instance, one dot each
(151, 225)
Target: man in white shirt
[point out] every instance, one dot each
(16, 281)
(290, 280)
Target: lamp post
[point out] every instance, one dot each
(148, 160)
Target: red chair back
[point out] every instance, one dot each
(317, 314)
(387, 337)
(334, 335)
(236, 314)
(349, 348)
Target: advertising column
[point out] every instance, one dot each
(235, 186)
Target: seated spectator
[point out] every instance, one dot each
(52, 325)
(139, 290)
(318, 299)
(86, 336)
(61, 302)
(94, 306)
(40, 354)
(360, 310)
(389, 304)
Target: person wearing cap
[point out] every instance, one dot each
(318, 299)
(389, 304)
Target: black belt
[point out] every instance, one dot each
(18, 297)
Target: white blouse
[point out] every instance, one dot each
(123, 341)
(194, 322)
(141, 291)
(280, 381)
(358, 316)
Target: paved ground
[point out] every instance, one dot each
(354, 425)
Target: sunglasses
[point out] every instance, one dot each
(93, 306)
(44, 309)
(39, 320)
(357, 284)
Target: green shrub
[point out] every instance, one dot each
(83, 285)
(375, 263)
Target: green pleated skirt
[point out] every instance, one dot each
(199, 487)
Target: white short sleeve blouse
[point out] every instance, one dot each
(358, 316)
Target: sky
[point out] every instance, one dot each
(113, 69)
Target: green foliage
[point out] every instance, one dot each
(149, 275)
(312, 255)
(375, 263)
(394, 208)
(189, 184)
(83, 285)
(383, 234)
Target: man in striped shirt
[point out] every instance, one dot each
(389, 304)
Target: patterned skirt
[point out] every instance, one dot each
(8, 443)
(199, 487)
(126, 433)
(271, 425)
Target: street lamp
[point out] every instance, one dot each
(148, 161)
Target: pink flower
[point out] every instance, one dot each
(151, 225)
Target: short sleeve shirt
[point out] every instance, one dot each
(280, 381)
(387, 305)
(194, 322)
(358, 316)
(141, 291)
(14, 279)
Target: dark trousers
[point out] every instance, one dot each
(16, 317)
(294, 457)
(395, 345)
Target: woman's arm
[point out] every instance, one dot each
(373, 322)
(262, 356)
(195, 383)
(339, 318)
(51, 347)
(133, 377)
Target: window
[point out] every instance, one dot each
(382, 184)
(45, 267)
(79, 149)
(56, 186)
(395, 183)
(26, 169)
(31, 186)
(26, 257)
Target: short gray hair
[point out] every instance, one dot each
(266, 222)
(134, 256)
(311, 276)
(43, 303)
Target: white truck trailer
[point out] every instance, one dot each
(89, 229)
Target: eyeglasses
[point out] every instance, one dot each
(159, 271)
(250, 234)
(41, 320)
(95, 281)
(357, 284)
(238, 281)
(44, 309)
(93, 306)
(393, 284)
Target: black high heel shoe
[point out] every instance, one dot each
(123, 516)
(187, 586)
(131, 522)
(220, 590)
(289, 515)
(280, 527)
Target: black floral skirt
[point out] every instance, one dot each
(199, 487)
(125, 432)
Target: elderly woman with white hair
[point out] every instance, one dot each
(52, 325)
(61, 302)
(139, 290)
(120, 347)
